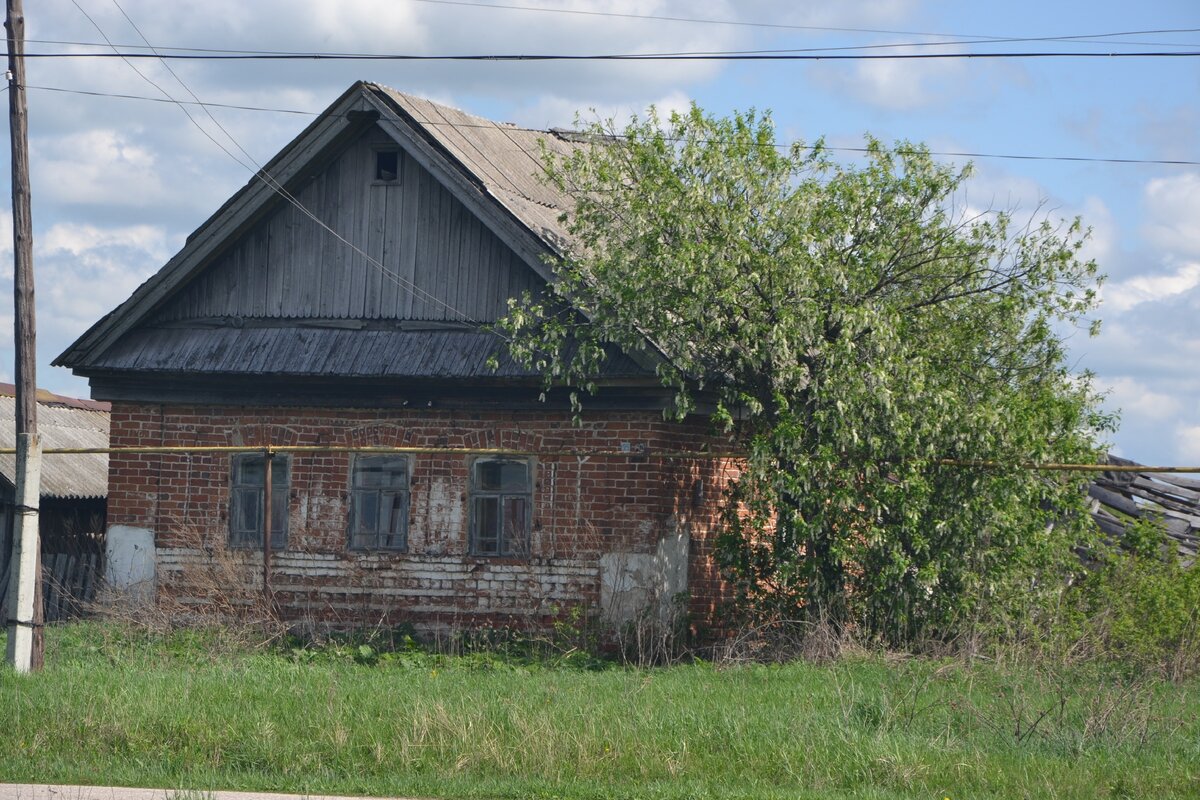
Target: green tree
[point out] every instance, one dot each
(854, 325)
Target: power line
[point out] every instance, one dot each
(267, 179)
(727, 55)
(786, 26)
(945, 153)
(1089, 39)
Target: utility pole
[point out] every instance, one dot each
(25, 613)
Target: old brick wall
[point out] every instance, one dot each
(583, 507)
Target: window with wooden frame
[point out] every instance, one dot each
(387, 166)
(501, 506)
(246, 500)
(379, 492)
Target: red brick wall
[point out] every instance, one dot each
(583, 507)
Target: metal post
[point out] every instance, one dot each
(268, 460)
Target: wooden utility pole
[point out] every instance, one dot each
(25, 613)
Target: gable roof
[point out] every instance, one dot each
(62, 422)
(491, 168)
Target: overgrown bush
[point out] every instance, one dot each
(1141, 607)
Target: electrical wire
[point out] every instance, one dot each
(786, 26)
(270, 181)
(1078, 38)
(461, 125)
(723, 55)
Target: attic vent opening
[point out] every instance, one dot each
(387, 165)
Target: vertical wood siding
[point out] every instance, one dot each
(287, 266)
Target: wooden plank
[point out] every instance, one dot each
(1178, 480)
(391, 293)
(488, 264)
(74, 586)
(409, 232)
(363, 292)
(335, 283)
(327, 249)
(1115, 500)
(4, 578)
(1177, 493)
(470, 260)
(439, 268)
(279, 237)
(422, 307)
(51, 582)
(457, 225)
(358, 278)
(93, 578)
(1109, 526)
(307, 266)
(259, 260)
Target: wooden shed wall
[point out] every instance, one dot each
(287, 266)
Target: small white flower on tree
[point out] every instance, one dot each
(855, 326)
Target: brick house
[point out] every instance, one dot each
(356, 317)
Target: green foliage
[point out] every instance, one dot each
(853, 326)
(1141, 608)
(158, 715)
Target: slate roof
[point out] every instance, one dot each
(505, 159)
(62, 422)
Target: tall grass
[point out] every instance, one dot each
(185, 710)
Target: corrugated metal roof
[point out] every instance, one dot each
(307, 351)
(62, 425)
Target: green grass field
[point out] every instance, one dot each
(185, 710)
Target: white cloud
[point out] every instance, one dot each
(1124, 295)
(553, 111)
(1135, 398)
(84, 240)
(101, 166)
(1187, 445)
(1173, 207)
(897, 85)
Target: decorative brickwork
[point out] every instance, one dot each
(584, 508)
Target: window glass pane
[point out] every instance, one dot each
(246, 513)
(516, 525)
(248, 471)
(488, 475)
(379, 472)
(391, 512)
(514, 476)
(487, 525)
(366, 512)
(393, 519)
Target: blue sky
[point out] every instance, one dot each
(119, 183)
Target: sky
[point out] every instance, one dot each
(119, 183)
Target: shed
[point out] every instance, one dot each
(74, 492)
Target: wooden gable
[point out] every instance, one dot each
(413, 252)
(410, 261)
